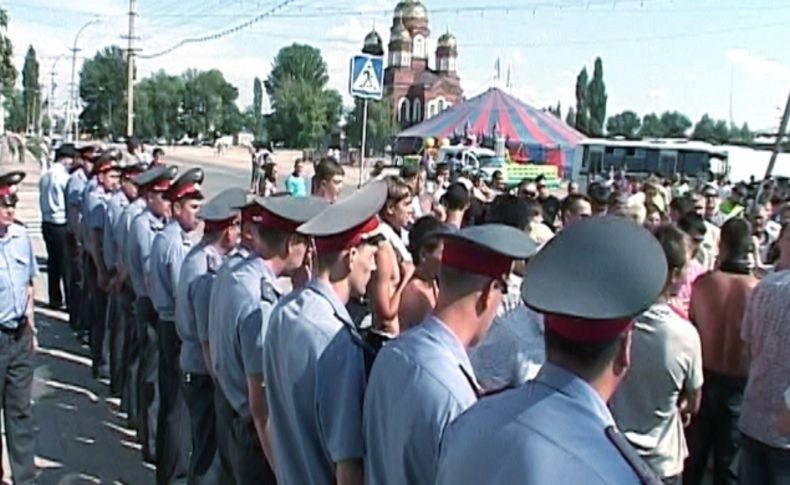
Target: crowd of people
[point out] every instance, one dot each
(425, 329)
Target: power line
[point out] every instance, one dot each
(224, 33)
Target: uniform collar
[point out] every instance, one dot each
(329, 294)
(138, 202)
(160, 223)
(441, 332)
(14, 231)
(576, 388)
(175, 227)
(265, 270)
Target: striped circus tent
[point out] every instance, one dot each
(531, 135)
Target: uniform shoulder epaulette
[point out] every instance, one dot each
(640, 468)
(268, 293)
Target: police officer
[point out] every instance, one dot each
(52, 201)
(88, 280)
(17, 333)
(241, 300)
(589, 282)
(153, 183)
(308, 449)
(78, 178)
(107, 172)
(423, 380)
(220, 236)
(168, 251)
(123, 332)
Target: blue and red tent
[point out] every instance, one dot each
(531, 135)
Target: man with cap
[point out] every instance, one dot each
(589, 282)
(154, 183)
(78, 180)
(423, 380)
(168, 251)
(17, 333)
(52, 201)
(111, 244)
(124, 351)
(220, 234)
(241, 301)
(107, 173)
(301, 326)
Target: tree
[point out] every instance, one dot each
(625, 124)
(7, 69)
(209, 104)
(596, 100)
(297, 61)
(158, 104)
(30, 89)
(582, 120)
(742, 136)
(652, 126)
(380, 126)
(103, 92)
(675, 124)
(257, 108)
(304, 111)
(14, 106)
(703, 130)
(570, 120)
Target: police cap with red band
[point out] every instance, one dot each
(285, 214)
(594, 277)
(349, 222)
(107, 161)
(187, 186)
(486, 250)
(8, 183)
(156, 179)
(222, 210)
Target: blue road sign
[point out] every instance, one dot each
(366, 79)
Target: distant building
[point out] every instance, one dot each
(415, 91)
(244, 138)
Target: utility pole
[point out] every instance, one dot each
(71, 106)
(130, 73)
(51, 100)
(777, 149)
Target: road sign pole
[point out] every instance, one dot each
(364, 141)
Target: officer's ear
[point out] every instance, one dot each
(622, 360)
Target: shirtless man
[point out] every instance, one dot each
(718, 302)
(394, 265)
(419, 296)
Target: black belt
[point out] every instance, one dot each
(20, 325)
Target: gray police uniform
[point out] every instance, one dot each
(131, 349)
(340, 390)
(419, 383)
(168, 251)
(141, 236)
(192, 310)
(74, 188)
(301, 328)
(94, 210)
(116, 323)
(503, 439)
(17, 270)
(241, 301)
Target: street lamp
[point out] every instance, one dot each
(70, 118)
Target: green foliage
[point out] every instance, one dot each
(304, 111)
(625, 124)
(719, 131)
(380, 125)
(103, 92)
(652, 127)
(596, 100)
(7, 69)
(15, 112)
(157, 104)
(297, 61)
(31, 94)
(582, 120)
(208, 107)
(570, 120)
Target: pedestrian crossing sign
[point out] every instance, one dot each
(367, 77)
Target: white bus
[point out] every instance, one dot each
(641, 158)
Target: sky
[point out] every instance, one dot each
(693, 56)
